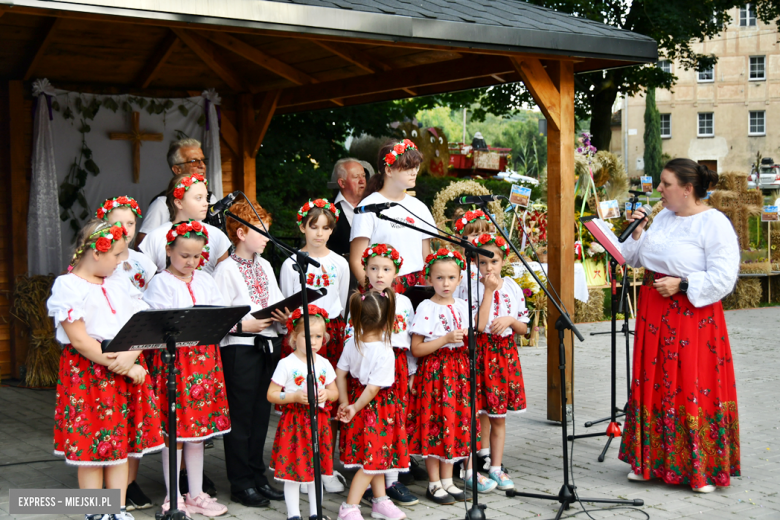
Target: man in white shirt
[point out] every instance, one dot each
(349, 177)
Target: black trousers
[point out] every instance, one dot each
(248, 371)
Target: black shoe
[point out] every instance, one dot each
(136, 499)
(208, 444)
(324, 517)
(459, 496)
(418, 470)
(184, 484)
(208, 486)
(399, 494)
(269, 492)
(445, 500)
(250, 498)
(407, 478)
(483, 464)
(367, 496)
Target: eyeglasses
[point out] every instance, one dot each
(194, 162)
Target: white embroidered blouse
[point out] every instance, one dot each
(166, 291)
(507, 301)
(433, 321)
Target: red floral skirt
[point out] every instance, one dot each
(439, 415)
(500, 387)
(201, 399)
(292, 458)
(401, 385)
(407, 281)
(374, 440)
(101, 418)
(682, 424)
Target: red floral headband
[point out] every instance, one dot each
(295, 317)
(469, 218)
(485, 239)
(318, 203)
(106, 236)
(397, 150)
(184, 229)
(186, 183)
(118, 202)
(384, 250)
(443, 254)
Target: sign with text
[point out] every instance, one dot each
(770, 214)
(647, 183)
(609, 209)
(63, 501)
(520, 196)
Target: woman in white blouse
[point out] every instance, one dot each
(682, 424)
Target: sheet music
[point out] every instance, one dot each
(611, 236)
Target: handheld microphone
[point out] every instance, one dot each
(223, 204)
(375, 208)
(479, 199)
(646, 210)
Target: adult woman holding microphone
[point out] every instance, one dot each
(682, 424)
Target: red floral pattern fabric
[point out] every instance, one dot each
(100, 417)
(407, 281)
(401, 385)
(682, 424)
(500, 387)
(292, 459)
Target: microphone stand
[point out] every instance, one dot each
(477, 510)
(567, 494)
(302, 262)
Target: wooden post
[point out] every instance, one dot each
(245, 172)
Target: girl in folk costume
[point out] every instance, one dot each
(106, 409)
(139, 269)
(187, 199)
(372, 440)
(202, 408)
(682, 424)
(439, 415)
(292, 459)
(382, 263)
(398, 164)
(470, 225)
(500, 313)
(249, 354)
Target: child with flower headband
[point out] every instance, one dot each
(292, 458)
(106, 409)
(397, 164)
(469, 225)
(372, 440)
(381, 263)
(187, 199)
(200, 384)
(439, 415)
(500, 313)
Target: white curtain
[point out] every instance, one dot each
(44, 244)
(211, 141)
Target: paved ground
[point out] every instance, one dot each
(533, 449)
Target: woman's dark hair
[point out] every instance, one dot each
(411, 158)
(693, 173)
(372, 311)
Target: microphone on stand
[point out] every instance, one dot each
(479, 199)
(646, 210)
(223, 204)
(375, 208)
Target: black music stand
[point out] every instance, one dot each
(171, 329)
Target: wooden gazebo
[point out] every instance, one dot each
(274, 57)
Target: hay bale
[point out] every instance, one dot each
(591, 311)
(755, 267)
(29, 307)
(751, 198)
(746, 295)
(732, 181)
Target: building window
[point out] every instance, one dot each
(706, 124)
(665, 65)
(707, 75)
(757, 68)
(747, 16)
(666, 126)
(757, 123)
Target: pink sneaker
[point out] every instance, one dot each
(204, 505)
(181, 506)
(349, 513)
(386, 510)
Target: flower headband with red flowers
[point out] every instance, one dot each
(183, 229)
(295, 317)
(385, 250)
(318, 203)
(486, 239)
(186, 183)
(118, 202)
(469, 218)
(443, 254)
(106, 236)
(397, 150)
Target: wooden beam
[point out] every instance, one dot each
(53, 26)
(541, 88)
(258, 57)
(229, 134)
(263, 119)
(210, 57)
(560, 229)
(245, 172)
(169, 45)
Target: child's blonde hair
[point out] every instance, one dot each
(373, 311)
(299, 329)
(87, 236)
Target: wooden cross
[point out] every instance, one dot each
(135, 137)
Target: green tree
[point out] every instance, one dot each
(653, 148)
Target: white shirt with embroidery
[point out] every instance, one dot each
(462, 291)
(291, 374)
(507, 301)
(373, 365)
(432, 320)
(702, 247)
(332, 275)
(138, 268)
(166, 291)
(105, 308)
(154, 246)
